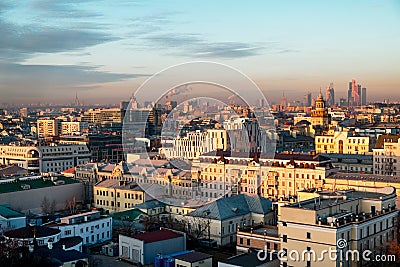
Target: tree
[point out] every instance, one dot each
(198, 227)
(70, 204)
(53, 207)
(45, 205)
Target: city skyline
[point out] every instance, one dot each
(104, 52)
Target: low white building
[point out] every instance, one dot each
(143, 248)
(91, 226)
(11, 219)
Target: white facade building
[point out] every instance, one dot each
(386, 155)
(91, 226)
(73, 127)
(245, 135)
(11, 219)
(197, 143)
(49, 158)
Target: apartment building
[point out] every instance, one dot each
(245, 135)
(48, 127)
(387, 155)
(91, 226)
(103, 115)
(116, 196)
(364, 220)
(342, 142)
(196, 143)
(283, 176)
(73, 127)
(44, 158)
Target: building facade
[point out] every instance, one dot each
(387, 155)
(44, 158)
(364, 220)
(342, 142)
(116, 196)
(90, 226)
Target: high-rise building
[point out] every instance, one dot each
(307, 99)
(48, 127)
(283, 102)
(364, 96)
(330, 95)
(354, 93)
(349, 95)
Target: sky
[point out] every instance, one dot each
(104, 50)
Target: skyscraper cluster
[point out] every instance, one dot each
(356, 95)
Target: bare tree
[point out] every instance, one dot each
(53, 207)
(198, 227)
(70, 204)
(45, 205)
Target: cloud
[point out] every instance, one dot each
(19, 80)
(19, 42)
(62, 8)
(157, 32)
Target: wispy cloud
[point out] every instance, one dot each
(157, 32)
(16, 78)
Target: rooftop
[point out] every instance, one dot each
(7, 212)
(246, 260)
(151, 204)
(31, 231)
(333, 198)
(33, 182)
(193, 257)
(230, 207)
(391, 138)
(365, 177)
(160, 235)
(128, 215)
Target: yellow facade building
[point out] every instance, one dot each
(342, 142)
(116, 196)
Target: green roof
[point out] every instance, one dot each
(128, 215)
(7, 212)
(17, 184)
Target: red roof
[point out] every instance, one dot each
(163, 234)
(70, 170)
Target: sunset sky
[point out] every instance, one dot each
(103, 50)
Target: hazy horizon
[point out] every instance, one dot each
(52, 50)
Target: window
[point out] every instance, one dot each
(241, 240)
(67, 232)
(248, 242)
(308, 235)
(284, 239)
